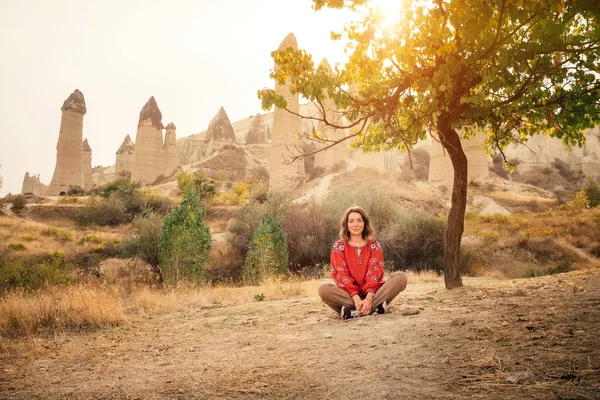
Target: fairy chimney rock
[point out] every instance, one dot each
(170, 148)
(127, 147)
(220, 128)
(151, 112)
(257, 133)
(289, 41)
(68, 172)
(75, 102)
(286, 124)
(328, 158)
(88, 181)
(124, 164)
(149, 155)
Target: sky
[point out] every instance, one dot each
(192, 56)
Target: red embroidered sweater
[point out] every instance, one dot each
(357, 270)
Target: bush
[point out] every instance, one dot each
(147, 227)
(18, 203)
(592, 192)
(185, 241)
(68, 200)
(413, 241)
(30, 277)
(75, 190)
(268, 254)
(16, 246)
(193, 180)
(102, 212)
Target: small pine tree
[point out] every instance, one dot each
(268, 253)
(185, 241)
(592, 192)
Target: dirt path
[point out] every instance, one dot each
(494, 339)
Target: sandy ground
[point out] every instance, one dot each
(493, 339)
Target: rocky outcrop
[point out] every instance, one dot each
(257, 134)
(88, 182)
(68, 172)
(219, 134)
(149, 155)
(125, 154)
(220, 129)
(541, 151)
(328, 158)
(170, 149)
(285, 126)
(33, 185)
(441, 170)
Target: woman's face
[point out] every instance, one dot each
(356, 224)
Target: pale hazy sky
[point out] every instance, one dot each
(192, 56)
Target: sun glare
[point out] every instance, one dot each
(390, 10)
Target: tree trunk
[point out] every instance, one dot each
(456, 217)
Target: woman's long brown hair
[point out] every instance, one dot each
(368, 230)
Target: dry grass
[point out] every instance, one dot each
(42, 239)
(59, 308)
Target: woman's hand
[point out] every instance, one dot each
(365, 306)
(357, 301)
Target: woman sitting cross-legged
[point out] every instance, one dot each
(357, 268)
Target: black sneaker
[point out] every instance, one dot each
(381, 308)
(348, 312)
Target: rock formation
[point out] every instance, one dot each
(33, 185)
(333, 155)
(441, 170)
(285, 126)
(88, 182)
(171, 161)
(256, 139)
(68, 172)
(257, 134)
(220, 129)
(541, 151)
(219, 134)
(149, 156)
(125, 153)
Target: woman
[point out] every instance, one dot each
(357, 268)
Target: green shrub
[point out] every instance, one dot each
(412, 240)
(68, 200)
(16, 246)
(18, 203)
(592, 192)
(147, 228)
(185, 241)
(17, 274)
(111, 211)
(268, 253)
(193, 180)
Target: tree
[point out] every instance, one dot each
(446, 68)
(268, 253)
(185, 241)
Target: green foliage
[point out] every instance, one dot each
(259, 297)
(193, 180)
(592, 192)
(67, 200)
(16, 274)
(147, 228)
(18, 203)
(185, 241)
(16, 246)
(414, 241)
(268, 253)
(111, 211)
